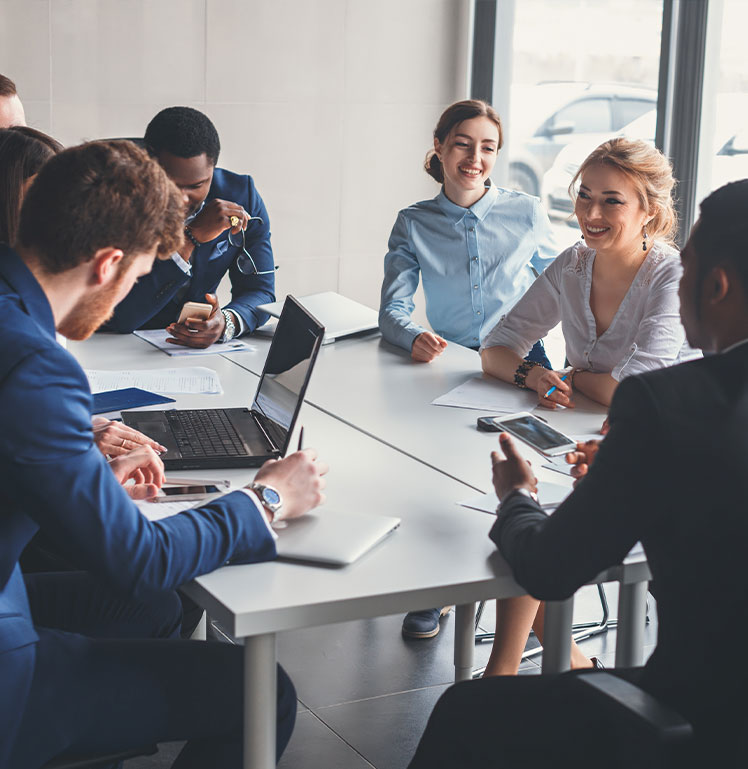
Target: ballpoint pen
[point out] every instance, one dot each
(301, 438)
(563, 379)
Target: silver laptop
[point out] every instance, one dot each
(198, 439)
(339, 315)
(331, 537)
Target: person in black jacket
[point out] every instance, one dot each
(671, 474)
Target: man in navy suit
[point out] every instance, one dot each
(227, 230)
(80, 672)
(671, 474)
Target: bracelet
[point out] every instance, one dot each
(520, 375)
(195, 242)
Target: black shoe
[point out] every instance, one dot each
(596, 664)
(424, 623)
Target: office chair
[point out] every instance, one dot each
(649, 734)
(94, 762)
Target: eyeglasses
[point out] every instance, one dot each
(244, 262)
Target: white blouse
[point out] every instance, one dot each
(645, 333)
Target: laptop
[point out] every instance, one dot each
(203, 439)
(330, 537)
(340, 316)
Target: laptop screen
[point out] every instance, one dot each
(296, 341)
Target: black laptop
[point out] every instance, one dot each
(199, 439)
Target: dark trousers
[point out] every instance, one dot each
(513, 722)
(129, 681)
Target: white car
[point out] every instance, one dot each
(729, 162)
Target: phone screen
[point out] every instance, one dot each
(531, 430)
(178, 491)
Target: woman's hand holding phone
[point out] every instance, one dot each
(143, 466)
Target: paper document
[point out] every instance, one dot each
(489, 395)
(158, 336)
(550, 495)
(196, 379)
(155, 511)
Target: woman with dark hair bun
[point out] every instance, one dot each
(23, 151)
(477, 248)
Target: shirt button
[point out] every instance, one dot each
(477, 312)
(475, 287)
(471, 229)
(475, 258)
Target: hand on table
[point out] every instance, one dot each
(582, 458)
(514, 472)
(427, 346)
(143, 466)
(114, 438)
(547, 379)
(299, 478)
(199, 333)
(216, 217)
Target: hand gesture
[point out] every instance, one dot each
(427, 346)
(216, 217)
(582, 458)
(546, 380)
(114, 438)
(199, 333)
(514, 472)
(299, 478)
(143, 466)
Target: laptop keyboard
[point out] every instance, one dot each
(205, 433)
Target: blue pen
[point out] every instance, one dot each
(563, 379)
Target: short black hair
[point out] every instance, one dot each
(722, 235)
(184, 132)
(7, 87)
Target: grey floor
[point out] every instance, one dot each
(365, 693)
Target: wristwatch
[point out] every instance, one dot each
(269, 496)
(230, 330)
(521, 490)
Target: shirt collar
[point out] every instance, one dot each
(21, 279)
(479, 209)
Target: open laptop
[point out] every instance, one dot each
(199, 439)
(331, 537)
(339, 315)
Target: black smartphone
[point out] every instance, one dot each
(169, 493)
(488, 425)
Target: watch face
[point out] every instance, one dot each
(270, 496)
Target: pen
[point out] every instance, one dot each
(563, 379)
(301, 438)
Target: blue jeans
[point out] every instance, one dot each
(538, 355)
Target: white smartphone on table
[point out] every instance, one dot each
(536, 433)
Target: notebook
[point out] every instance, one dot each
(330, 537)
(339, 315)
(198, 439)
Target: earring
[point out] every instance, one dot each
(644, 241)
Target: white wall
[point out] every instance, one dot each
(329, 104)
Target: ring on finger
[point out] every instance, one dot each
(124, 441)
(234, 219)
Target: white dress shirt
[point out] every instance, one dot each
(645, 333)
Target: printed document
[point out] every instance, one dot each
(489, 395)
(158, 336)
(195, 379)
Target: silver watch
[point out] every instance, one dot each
(230, 331)
(269, 496)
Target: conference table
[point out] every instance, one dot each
(368, 414)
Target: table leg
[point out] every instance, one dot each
(464, 641)
(557, 636)
(632, 617)
(260, 697)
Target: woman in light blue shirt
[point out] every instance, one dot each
(477, 247)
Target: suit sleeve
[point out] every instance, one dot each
(596, 526)
(53, 473)
(249, 291)
(147, 297)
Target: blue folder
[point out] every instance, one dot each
(129, 398)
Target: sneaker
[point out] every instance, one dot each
(424, 623)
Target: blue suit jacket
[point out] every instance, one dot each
(156, 300)
(52, 476)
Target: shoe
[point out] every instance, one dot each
(596, 664)
(424, 623)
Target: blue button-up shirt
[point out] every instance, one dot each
(475, 264)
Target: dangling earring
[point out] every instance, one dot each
(644, 241)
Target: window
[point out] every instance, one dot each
(586, 116)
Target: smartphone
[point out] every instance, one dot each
(197, 310)
(488, 425)
(185, 493)
(536, 433)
